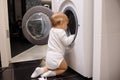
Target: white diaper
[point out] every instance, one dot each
(53, 60)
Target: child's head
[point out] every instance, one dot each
(59, 20)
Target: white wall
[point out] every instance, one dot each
(110, 55)
(106, 63)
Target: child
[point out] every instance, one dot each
(57, 43)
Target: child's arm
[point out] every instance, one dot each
(66, 40)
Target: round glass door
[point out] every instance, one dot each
(73, 22)
(36, 25)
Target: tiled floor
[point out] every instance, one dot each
(23, 71)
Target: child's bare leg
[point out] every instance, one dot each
(62, 68)
(45, 68)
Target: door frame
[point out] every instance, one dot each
(5, 51)
(97, 39)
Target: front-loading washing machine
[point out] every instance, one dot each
(80, 14)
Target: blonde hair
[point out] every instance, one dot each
(58, 19)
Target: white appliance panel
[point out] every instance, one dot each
(80, 57)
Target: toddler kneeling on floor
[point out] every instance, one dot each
(57, 43)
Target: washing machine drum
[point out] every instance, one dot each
(36, 25)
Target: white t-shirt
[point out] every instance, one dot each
(57, 43)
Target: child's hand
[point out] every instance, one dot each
(69, 48)
(71, 45)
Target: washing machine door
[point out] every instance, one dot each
(36, 25)
(73, 22)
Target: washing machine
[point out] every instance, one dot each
(80, 14)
